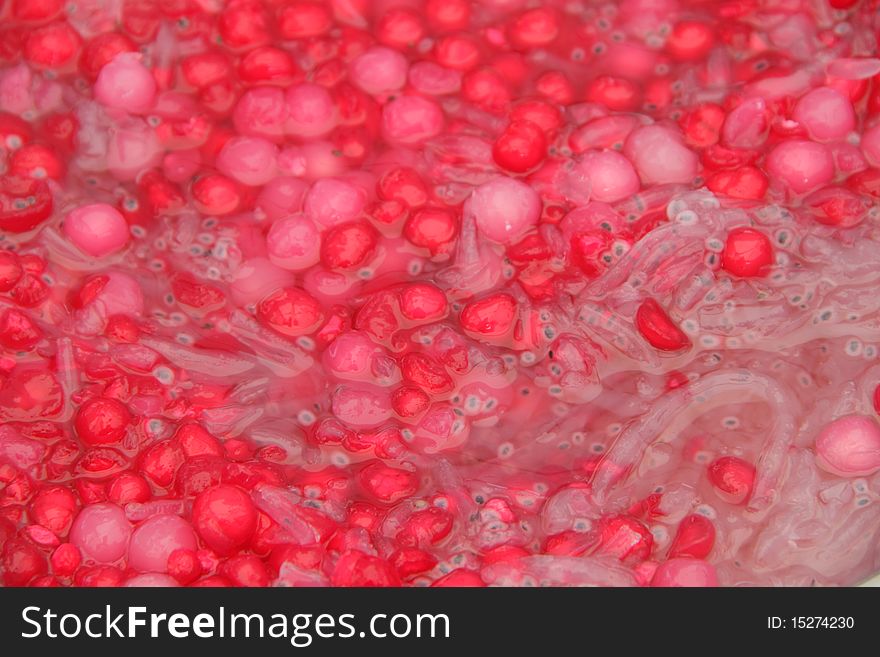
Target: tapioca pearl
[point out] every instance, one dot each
(849, 446)
(54, 508)
(98, 229)
(423, 302)
(261, 112)
(684, 572)
(256, 278)
(410, 120)
(826, 114)
(101, 532)
(660, 156)
(612, 176)
(521, 147)
(801, 165)
(102, 421)
(349, 246)
(249, 160)
(350, 355)
(379, 70)
(492, 316)
(747, 253)
(153, 541)
(332, 201)
(294, 243)
(290, 311)
(310, 110)
(361, 406)
(126, 84)
(225, 518)
(504, 209)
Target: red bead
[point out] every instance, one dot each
(431, 228)
(102, 421)
(521, 147)
(52, 46)
(225, 518)
(290, 311)
(732, 478)
(747, 253)
(349, 245)
(694, 538)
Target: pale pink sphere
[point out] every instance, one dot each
(101, 532)
(97, 229)
(504, 209)
(121, 295)
(332, 201)
(249, 160)
(328, 286)
(411, 120)
(660, 156)
(257, 277)
(294, 243)
(350, 356)
(361, 406)
(261, 112)
(311, 111)
(431, 78)
(155, 539)
(132, 149)
(379, 70)
(685, 573)
(849, 446)
(125, 83)
(802, 165)
(151, 580)
(871, 145)
(826, 114)
(611, 175)
(281, 196)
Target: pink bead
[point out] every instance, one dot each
(504, 209)
(685, 572)
(257, 277)
(281, 197)
(411, 119)
(250, 160)
(350, 356)
(126, 84)
(361, 406)
(311, 111)
(155, 539)
(153, 580)
(379, 70)
(849, 446)
(331, 201)
(121, 295)
(660, 156)
(97, 229)
(430, 78)
(611, 175)
(871, 145)
(101, 532)
(801, 165)
(261, 112)
(826, 114)
(294, 243)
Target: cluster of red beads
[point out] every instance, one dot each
(279, 279)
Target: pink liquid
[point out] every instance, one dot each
(439, 293)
